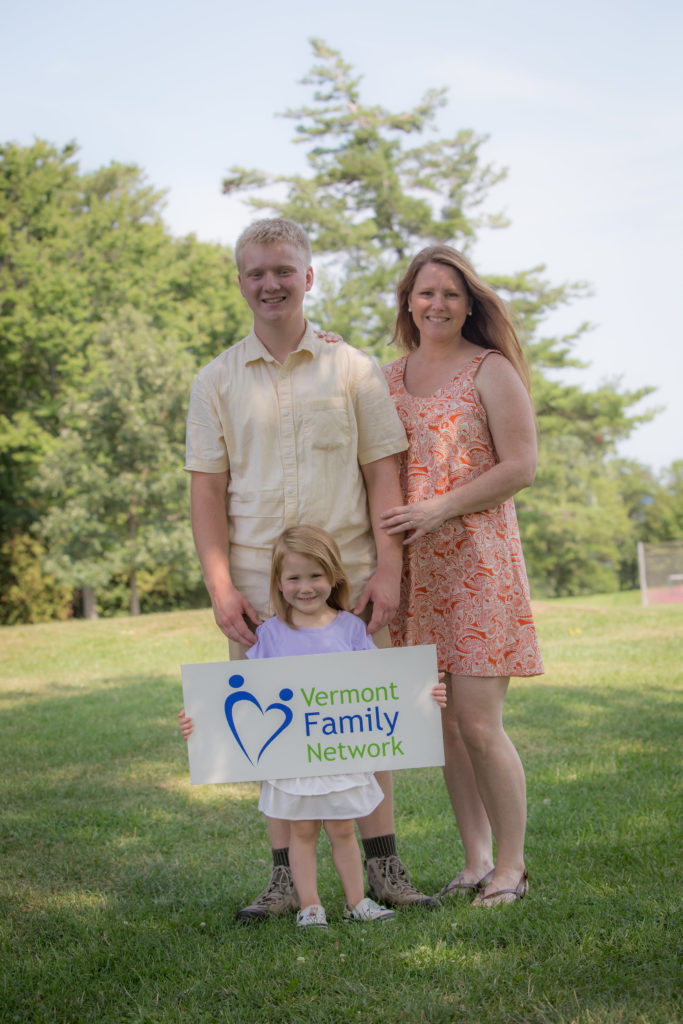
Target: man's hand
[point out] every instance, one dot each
(383, 591)
(229, 609)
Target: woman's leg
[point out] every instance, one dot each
(478, 707)
(470, 813)
(346, 857)
(303, 860)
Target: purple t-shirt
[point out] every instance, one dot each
(275, 639)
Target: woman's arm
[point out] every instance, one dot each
(511, 422)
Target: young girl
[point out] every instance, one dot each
(309, 592)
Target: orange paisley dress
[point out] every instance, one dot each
(464, 587)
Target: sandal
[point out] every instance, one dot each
(458, 886)
(500, 896)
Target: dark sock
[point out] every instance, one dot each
(380, 846)
(281, 857)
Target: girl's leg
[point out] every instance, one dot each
(478, 707)
(303, 860)
(278, 833)
(347, 860)
(470, 813)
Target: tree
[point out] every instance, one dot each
(75, 249)
(369, 203)
(654, 504)
(118, 496)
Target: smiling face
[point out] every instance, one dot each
(273, 279)
(439, 303)
(305, 588)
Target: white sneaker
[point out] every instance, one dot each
(313, 916)
(367, 910)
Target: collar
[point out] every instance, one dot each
(256, 350)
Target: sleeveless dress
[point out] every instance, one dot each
(464, 587)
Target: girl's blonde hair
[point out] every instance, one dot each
(489, 324)
(315, 543)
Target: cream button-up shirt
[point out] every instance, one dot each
(292, 437)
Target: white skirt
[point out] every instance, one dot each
(321, 797)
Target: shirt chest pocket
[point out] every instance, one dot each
(327, 425)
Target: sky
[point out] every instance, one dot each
(582, 103)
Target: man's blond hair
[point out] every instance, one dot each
(270, 231)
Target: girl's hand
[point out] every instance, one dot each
(414, 520)
(186, 724)
(439, 692)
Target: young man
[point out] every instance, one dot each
(292, 426)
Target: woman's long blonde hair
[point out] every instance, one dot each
(315, 543)
(489, 324)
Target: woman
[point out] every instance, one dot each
(462, 392)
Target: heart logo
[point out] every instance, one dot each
(242, 696)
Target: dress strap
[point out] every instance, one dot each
(474, 364)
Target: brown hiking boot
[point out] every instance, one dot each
(279, 897)
(389, 883)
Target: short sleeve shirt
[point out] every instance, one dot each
(292, 437)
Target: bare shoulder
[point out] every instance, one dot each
(496, 374)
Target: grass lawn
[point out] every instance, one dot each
(119, 881)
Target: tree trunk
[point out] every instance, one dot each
(89, 603)
(134, 596)
(133, 577)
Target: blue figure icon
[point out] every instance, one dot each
(284, 694)
(236, 682)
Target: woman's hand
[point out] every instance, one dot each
(414, 520)
(439, 692)
(186, 724)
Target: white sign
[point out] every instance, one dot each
(318, 714)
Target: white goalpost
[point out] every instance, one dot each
(660, 568)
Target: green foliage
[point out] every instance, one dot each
(76, 249)
(654, 506)
(29, 594)
(369, 203)
(118, 499)
(573, 521)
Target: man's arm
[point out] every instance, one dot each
(384, 489)
(210, 531)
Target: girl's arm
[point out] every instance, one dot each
(513, 431)
(186, 724)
